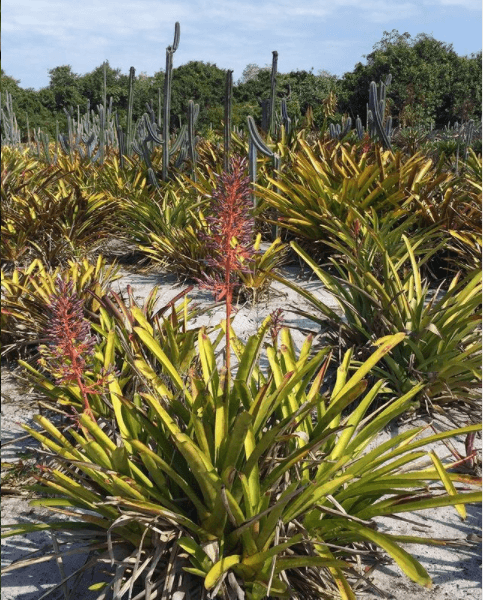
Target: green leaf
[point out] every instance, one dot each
(396, 505)
(95, 587)
(156, 349)
(236, 439)
(197, 552)
(413, 569)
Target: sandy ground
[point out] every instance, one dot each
(456, 572)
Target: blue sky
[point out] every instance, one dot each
(331, 35)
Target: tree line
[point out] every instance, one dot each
(431, 85)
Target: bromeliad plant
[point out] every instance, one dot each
(327, 181)
(377, 280)
(27, 293)
(113, 324)
(243, 481)
(256, 277)
(55, 215)
(224, 477)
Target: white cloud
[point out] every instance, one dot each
(230, 33)
(122, 17)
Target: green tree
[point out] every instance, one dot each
(301, 88)
(91, 87)
(199, 81)
(64, 84)
(307, 89)
(428, 80)
(28, 102)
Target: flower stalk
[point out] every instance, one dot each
(230, 240)
(69, 342)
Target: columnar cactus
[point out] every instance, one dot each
(359, 128)
(170, 50)
(28, 130)
(102, 137)
(265, 106)
(286, 120)
(56, 139)
(376, 112)
(273, 92)
(159, 109)
(130, 134)
(42, 140)
(193, 112)
(8, 122)
(258, 144)
(227, 123)
(104, 86)
(339, 132)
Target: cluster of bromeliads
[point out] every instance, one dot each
(215, 467)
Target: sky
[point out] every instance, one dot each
(329, 35)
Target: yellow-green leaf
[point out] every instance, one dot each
(448, 484)
(219, 568)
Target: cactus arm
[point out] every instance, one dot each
(176, 36)
(259, 144)
(104, 86)
(287, 121)
(63, 143)
(102, 124)
(121, 142)
(45, 144)
(257, 140)
(170, 50)
(136, 148)
(150, 126)
(166, 110)
(376, 108)
(346, 127)
(150, 110)
(180, 140)
(159, 108)
(182, 156)
(359, 128)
